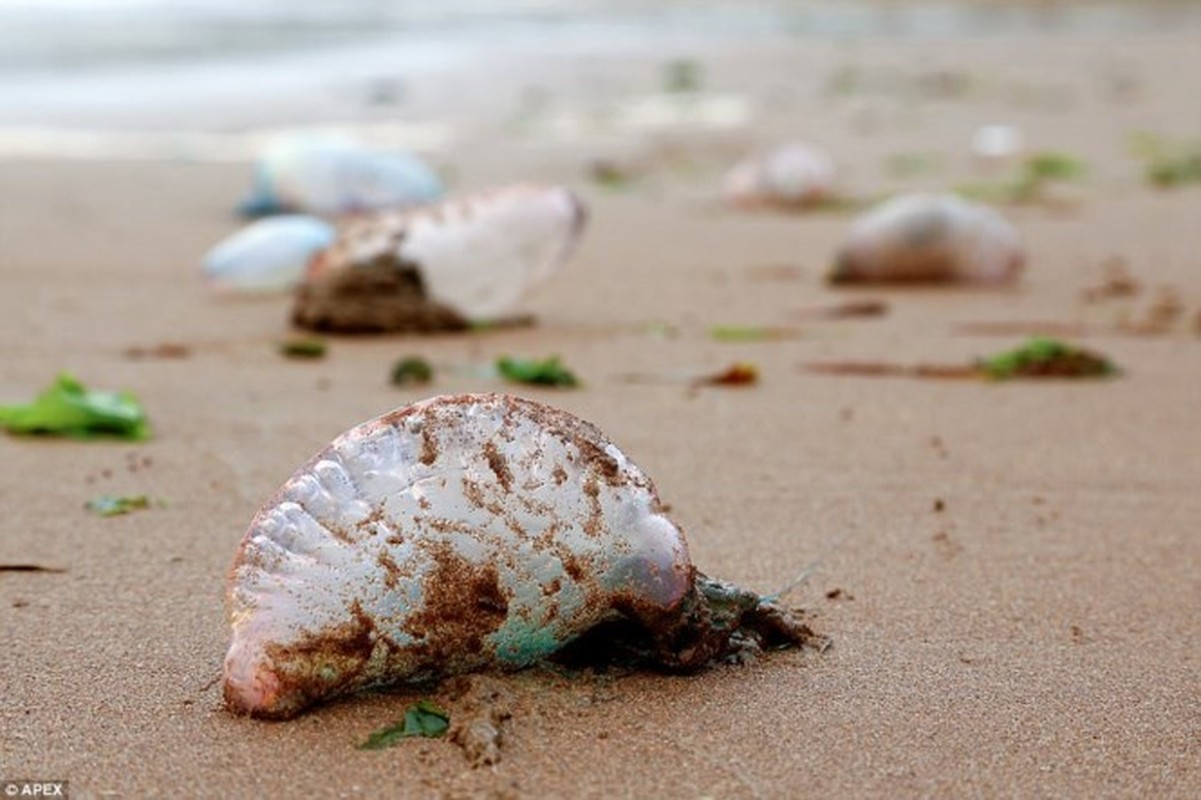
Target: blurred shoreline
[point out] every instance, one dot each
(62, 36)
(211, 81)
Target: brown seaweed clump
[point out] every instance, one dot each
(386, 295)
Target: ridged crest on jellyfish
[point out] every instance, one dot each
(930, 238)
(475, 255)
(332, 176)
(267, 255)
(460, 533)
(790, 175)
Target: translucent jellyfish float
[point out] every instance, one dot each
(792, 175)
(930, 238)
(332, 176)
(269, 255)
(466, 533)
(467, 259)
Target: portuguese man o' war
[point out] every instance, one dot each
(332, 176)
(467, 533)
(268, 255)
(931, 238)
(468, 259)
(793, 175)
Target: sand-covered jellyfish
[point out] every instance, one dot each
(470, 258)
(929, 238)
(463, 533)
(794, 175)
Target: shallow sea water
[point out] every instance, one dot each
(85, 78)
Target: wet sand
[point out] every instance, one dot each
(1035, 636)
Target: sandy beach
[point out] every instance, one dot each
(1010, 572)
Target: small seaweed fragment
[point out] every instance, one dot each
(1044, 357)
(612, 174)
(68, 408)
(30, 568)
(883, 369)
(1031, 183)
(537, 372)
(412, 371)
(107, 505)
(303, 348)
(847, 310)
(1167, 164)
(740, 373)
(752, 333)
(160, 350)
(1052, 166)
(1169, 171)
(1040, 357)
(681, 76)
(423, 718)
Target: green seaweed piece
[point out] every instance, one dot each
(1166, 164)
(107, 505)
(611, 174)
(1029, 185)
(1174, 169)
(68, 408)
(1054, 166)
(423, 718)
(1043, 357)
(681, 76)
(538, 372)
(751, 333)
(412, 371)
(303, 348)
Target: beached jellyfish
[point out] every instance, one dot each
(440, 267)
(929, 238)
(332, 176)
(267, 255)
(464, 533)
(793, 175)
